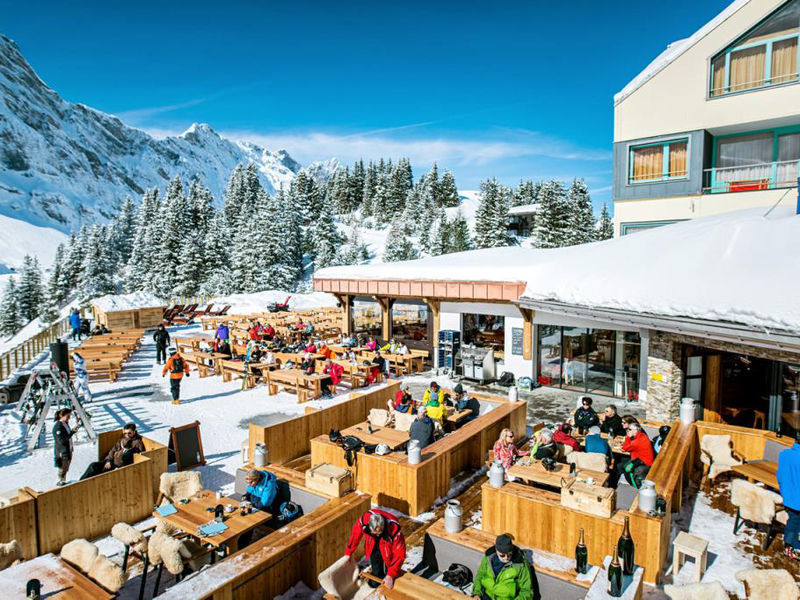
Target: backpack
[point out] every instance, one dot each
(177, 364)
(351, 445)
(506, 379)
(457, 575)
(289, 511)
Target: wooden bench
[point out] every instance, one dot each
(307, 387)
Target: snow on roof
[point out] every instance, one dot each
(674, 50)
(243, 304)
(523, 209)
(491, 264)
(112, 303)
(738, 267)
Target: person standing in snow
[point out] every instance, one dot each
(177, 368)
(81, 381)
(161, 338)
(222, 334)
(75, 324)
(62, 446)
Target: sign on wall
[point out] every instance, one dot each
(516, 341)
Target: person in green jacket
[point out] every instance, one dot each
(504, 574)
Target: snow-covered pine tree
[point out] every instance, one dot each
(175, 227)
(398, 246)
(138, 273)
(29, 289)
(440, 238)
(381, 200)
(400, 181)
(356, 184)
(605, 226)
(583, 222)
(433, 181)
(325, 240)
(491, 218)
(202, 204)
(338, 193)
(526, 193)
(217, 272)
(74, 259)
(287, 268)
(234, 195)
(56, 283)
(368, 195)
(10, 321)
(354, 251)
(459, 234)
(50, 310)
(553, 219)
(96, 273)
(448, 192)
(123, 233)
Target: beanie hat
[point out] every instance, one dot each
(459, 389)
(503, 544)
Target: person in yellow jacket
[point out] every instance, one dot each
(435, 409)
(177, 367)
(432, 389)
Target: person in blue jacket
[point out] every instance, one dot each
(594, 442)
(75, 324)
(262, 487)
(789, 482)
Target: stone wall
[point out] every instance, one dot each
(664, 378)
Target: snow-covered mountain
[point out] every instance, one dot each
(63, 164)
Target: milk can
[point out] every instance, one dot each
(260, 455)
(497, 474)
(647, 496)
(414, 452)
(688, 413)
(513, 393)
(452, 517)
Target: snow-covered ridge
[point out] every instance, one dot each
(64, 164)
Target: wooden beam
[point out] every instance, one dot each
(344, 300)
(434, 305)
(713, 388)
(527, 333)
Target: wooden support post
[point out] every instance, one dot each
(386, 316)
(712, 373)
(345, 301)
(527, 333)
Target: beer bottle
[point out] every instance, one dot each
(581, 556)
(614, 576)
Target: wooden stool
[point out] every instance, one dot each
(686, 544)
(759, 417)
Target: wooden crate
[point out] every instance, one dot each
(591, 499)
(329, 480)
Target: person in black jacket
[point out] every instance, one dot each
(612, 422)
(62, 446)
(161, 338)
(422, 428)
(585, 416)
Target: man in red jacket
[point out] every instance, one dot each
(333, 372)
(562, 435)
(384, 545)
(641, 459)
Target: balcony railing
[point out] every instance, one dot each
(750, 178)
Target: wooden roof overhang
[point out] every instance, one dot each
(463, 291)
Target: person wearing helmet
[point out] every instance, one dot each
(177, 368)
(81, 382)
(658, 440)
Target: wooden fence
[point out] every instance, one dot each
(270, 566)
(44, 521)
(31, 348)
(291, 439)
(750, 443)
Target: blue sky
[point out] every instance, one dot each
(505, 89)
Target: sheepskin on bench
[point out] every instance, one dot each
(341, 581)
(768, 584)
(717, 454)
(403, 421)
(697, 591)
(593, 461)
(130, 536)
(184, 484)
(379, 417)
(174, 553)
(10, 554)
(79, 553)
(755, 503)
(107, 574)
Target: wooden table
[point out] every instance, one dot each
(306, 386)
(536, 473)
(456, 416)
(193, 514)
(764, 471)
(380, 435)
(192, 342)
(59, 580)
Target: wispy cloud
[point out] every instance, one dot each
(140, 115)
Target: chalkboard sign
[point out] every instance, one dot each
(516, 340)
(186, 446)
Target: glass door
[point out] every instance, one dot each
(573, 371)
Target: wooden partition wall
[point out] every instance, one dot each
(537, 519)
(748, 442)
(412, 489)
(156, 452)
(291, 439)
(273, 564)
(18, 522)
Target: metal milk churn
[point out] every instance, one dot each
(647, 496)
(452, 517)
(260, 455)
(414, 452)
(497, 474)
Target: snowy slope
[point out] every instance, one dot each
(62, 164)
(18, 238)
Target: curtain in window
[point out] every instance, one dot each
(788, 155)
(747, 68)
(677, 159)
(718, 84)
(784, 61)
(744, 158)
(648, 163)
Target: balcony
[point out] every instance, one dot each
(751, 178)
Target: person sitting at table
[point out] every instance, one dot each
(262, 488)
(309, 330)
(223, 347)
(402, 401)
(789, 483)
(464, 402)
(585, 416)
(351, 357)
(308, 364)
(626, 422)
(422, 428)
(435, 409)
(310, 347)
(121, 453)
(612, 422)
(333, 372)
(252, 331)
(402, 349)
(384, 546)
(658, 440)
(544, 446)
(378, 366)
(371, 344)
(433, 388)
(349, 341)
(595, 442)
(268, 333)
(506, 451)
(635, 467)
(562, 435)
(504, 573)
(389, 346)
(96, 330)
(267, 358)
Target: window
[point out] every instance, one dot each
(485, 331)
(765, 56)
(410, 323)
(659, 161)
(367, 317)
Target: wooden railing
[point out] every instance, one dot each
(31, 348)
